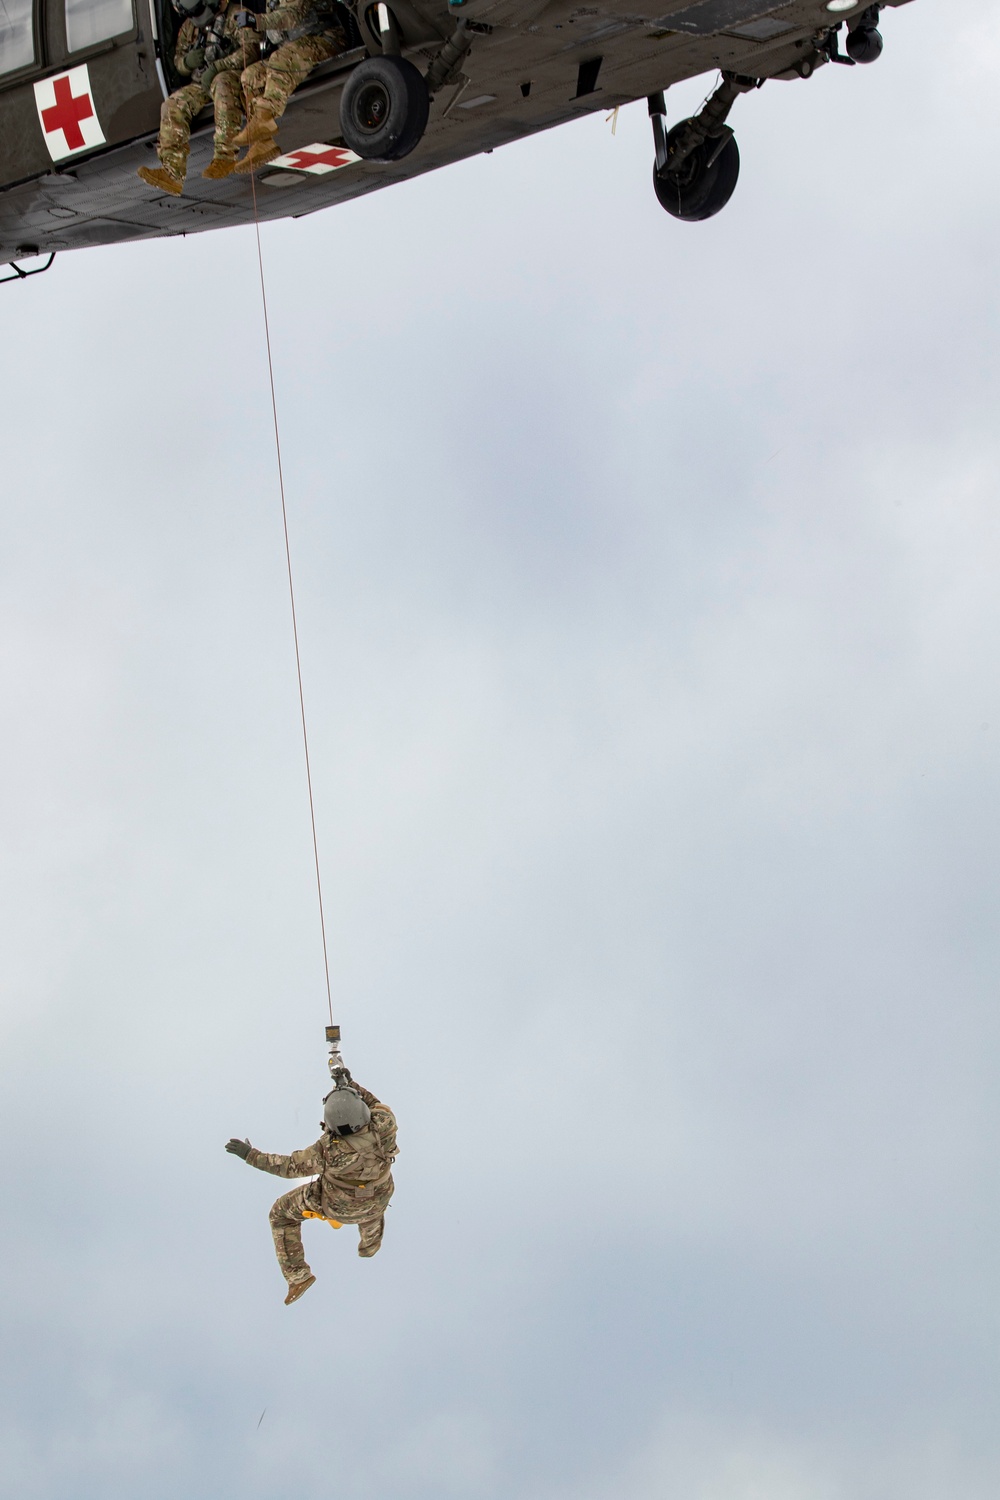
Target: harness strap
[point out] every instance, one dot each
(360, 1189)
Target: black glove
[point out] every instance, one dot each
(194, 59)
(239, 1148)
(246, 18)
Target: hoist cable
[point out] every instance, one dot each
(291, 597)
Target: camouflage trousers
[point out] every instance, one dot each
(289, 65)
(287, 1215)
(179, 110)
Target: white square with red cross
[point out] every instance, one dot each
(316, 159)
(67, 113)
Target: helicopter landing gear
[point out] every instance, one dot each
(698, 162)
(383, 109)
(705, 180)
(385, 103)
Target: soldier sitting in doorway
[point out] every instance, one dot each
(214, 46)
(303, 33)
(354, 1157)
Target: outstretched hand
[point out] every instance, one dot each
(238, 1148)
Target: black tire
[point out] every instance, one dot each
(700, 189)
(383, 109)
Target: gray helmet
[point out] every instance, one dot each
(345, 1112)
(198, 11)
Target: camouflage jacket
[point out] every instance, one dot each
(300, 18)
(354, 1171)
(227, 47)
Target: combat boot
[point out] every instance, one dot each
(162, 178)
(260, 126)
(221, 165)
(296, 1290)
(259, 154)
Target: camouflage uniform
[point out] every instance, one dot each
(354, 1187)
(239, 46)
(311, 34)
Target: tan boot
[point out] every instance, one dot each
(296, 1290)
(260, 125)
(258, 155)
(219, 166)
(162, 178)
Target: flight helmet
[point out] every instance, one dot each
(345, 1112)
(201, 12)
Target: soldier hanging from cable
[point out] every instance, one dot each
(214, 46)
(353, 1156)
(303, 33)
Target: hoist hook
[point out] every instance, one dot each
(338, 1072)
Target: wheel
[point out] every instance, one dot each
(701, 187)
(383, 109)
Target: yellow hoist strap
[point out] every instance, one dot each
(307, 1213)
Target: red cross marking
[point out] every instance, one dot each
(67, 112)
(330, 156)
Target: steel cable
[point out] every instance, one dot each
(291, 596)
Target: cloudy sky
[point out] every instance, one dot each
(649, 610)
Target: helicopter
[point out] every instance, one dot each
(421, 83)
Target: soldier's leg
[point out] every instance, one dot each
(253, 81)
(174, 143)
(286, 1227)
(370, 1232)
(285, 70)
(175, 126)
(227, 97)
(291, 64)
